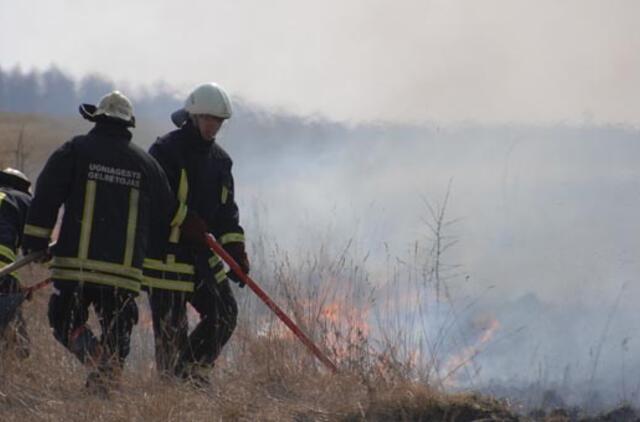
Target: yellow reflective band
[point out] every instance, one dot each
(35, 231)
(231, 237)
(10, 256)
(155, 264)
(88, 264)
(7, 253)
(174, 237)
(87, 219)
(225, 193)
(213, 261)
(183, 190)
(2, 196)
(181, 213)
(183, 187)
(104, 279)
(159, 283)
(221, 276)
(134, 195)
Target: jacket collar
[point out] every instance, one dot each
(111, 130)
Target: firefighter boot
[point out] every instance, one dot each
(196, 376)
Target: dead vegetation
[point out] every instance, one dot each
(259, 384)
(264, 374)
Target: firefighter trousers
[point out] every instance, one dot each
(116, 311)
(177, 350)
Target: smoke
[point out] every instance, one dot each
(545, 248)
(547, 208)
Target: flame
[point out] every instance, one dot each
(338, 327)
(345, 330)
(466, 356)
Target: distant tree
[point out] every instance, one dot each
(22, 91)
(93, 87)
(159, 103)
(58, 93)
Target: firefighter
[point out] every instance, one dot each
(115, 197)
(15, 199)
(199, 172)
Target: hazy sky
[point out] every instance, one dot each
(413, 60)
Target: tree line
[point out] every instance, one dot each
(254, 129)
(53, 92)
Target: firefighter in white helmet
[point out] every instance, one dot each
(199, 172)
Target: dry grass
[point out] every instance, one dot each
(39, 136)
(265, 374)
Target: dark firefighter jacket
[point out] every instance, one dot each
(114, 194)
(14, 205)
(200, 174)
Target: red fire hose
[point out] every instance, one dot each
(217, 248)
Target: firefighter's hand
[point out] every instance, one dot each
(39, 245)
(194, 230)
(237, 252)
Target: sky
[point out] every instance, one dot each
(442, 61)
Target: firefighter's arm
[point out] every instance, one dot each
(170, 181)
(169, 212)
(52, 189)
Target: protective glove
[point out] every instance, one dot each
(237, 252)
(31, 244)
(193, 230)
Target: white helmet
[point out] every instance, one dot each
(209, 99)
(116, 105)
(16, 173)
(15, 178)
